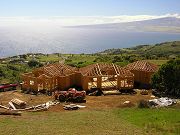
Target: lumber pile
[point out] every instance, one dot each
(18, 105)
(112, 92)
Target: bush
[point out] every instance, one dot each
(166, 80)
(103, 58)
(2, 74)
(11, 67)
(143, 104)
(34, 63)
(117, 59)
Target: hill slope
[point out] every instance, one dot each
(166, 48)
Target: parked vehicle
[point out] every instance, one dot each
(71, 95)
(144, 92)
(8, 87)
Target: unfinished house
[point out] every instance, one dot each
(142, 71)
(50, 77)
(60, 76)
(106, 76)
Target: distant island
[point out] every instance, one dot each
(166, 24)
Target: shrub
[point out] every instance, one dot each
(143, 104)
(117, 59)
(34, 63)
(166, 80)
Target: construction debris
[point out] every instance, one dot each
(126, 102)
(162, 102)
(7, 108)
(18, 105)
(144, 92)
(96, 92)
(73, 107)
(152, 96)
(12, 106)
(112, 92)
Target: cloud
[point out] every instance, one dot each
(76, 20)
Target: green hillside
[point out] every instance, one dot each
(166, 49)
(12, 67)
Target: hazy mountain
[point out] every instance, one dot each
(167, 24)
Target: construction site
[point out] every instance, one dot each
(97, 76)
(71, 84)
(97, 114)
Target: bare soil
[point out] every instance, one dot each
(92, 102)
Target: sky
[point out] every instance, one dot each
(85, 11)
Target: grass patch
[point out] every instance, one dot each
(80, 60)
(68, 123)
(109, 122)
(49, 58)
(158, 62)
(160, 121)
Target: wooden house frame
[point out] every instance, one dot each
(106, 76)
(143, 71)
(61, 76)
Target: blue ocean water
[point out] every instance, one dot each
(14, 41)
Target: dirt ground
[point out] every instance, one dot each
(92, 102)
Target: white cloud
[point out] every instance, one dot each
(79, 20)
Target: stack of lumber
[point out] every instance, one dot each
(18, 104)
(112, 92)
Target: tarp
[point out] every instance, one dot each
(162, 102)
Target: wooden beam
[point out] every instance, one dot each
(115, 69)
(99, 69)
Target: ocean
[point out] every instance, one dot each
(21, 40)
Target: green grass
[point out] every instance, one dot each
(94, 122)
(66, 123)
(160, 121)
(49, 58)
(80, 60)
(158, 62)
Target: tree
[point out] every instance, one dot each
(34, 63)
(2, 74)
(117, 59)
(167, 79)
(24, 56)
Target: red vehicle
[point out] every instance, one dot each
(70, 95)
(7, 87)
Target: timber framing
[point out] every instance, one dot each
(60, 76)
(143, 71)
